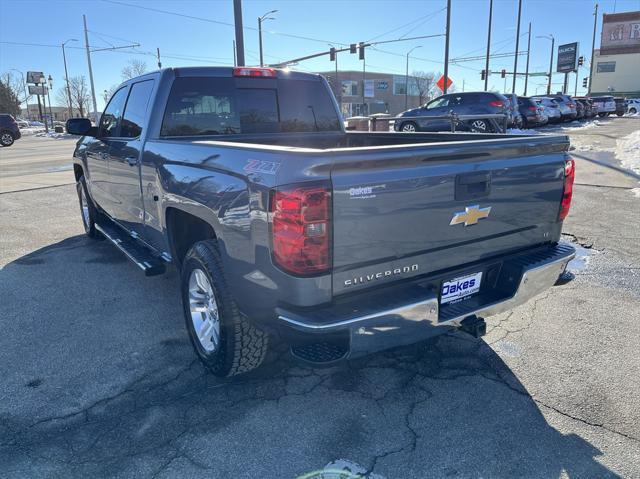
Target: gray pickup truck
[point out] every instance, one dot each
(282, 224)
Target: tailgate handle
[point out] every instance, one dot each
(473, 185)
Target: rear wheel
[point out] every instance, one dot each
(602, 115)
(6, 138)
(409, 127)
(224, 340)
(633, 111)
(88, 211)
(619, 113)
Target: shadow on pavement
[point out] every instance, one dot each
(98, 378)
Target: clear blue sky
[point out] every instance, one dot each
(189, 41)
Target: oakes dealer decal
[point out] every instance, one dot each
(380, 274)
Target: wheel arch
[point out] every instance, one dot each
(184, 229)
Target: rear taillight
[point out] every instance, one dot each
(497, 104)
(533, 108)
(567, 191)
(254, 72)
(301, 228)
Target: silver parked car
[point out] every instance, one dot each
(550, 108)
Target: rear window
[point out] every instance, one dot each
(218, 106)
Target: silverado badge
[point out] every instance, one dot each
(470, 215)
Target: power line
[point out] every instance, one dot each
(429, 15)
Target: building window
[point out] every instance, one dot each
(350, 88)
(399, 86)
(606, 67)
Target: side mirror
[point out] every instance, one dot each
(81, 127)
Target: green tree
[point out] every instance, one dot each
(9, 102)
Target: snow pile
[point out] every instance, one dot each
(31, 130)
(518, 131)
(57, 136)
(628, 151)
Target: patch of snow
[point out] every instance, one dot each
(31, 131)
(628, 151)
(518, 131)
(342, 469)
(636, 192)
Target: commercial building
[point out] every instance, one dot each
(60, 113)
(615, 68)
(377, 93)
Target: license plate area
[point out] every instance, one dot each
(461, 287)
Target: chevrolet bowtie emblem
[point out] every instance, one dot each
(470, 215)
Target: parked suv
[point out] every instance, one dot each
(550, 108)
(9, 130)
(470, 103)
(605, 105)
(621, 106)
(515, 117)
(634, 105)
(531, 112)
(567, 107)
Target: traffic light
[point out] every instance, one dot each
(483, 74)
(585, 82)
(332, 54)
(580, 61)
(361, 50)
(353, 48)
(503, 73)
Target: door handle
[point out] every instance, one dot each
(132, 160)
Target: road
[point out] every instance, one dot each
(98, 377)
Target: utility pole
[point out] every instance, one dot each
(526, 74)
(66, 76)
(446, 48)
(49, 98)
(406, 79)
(565, 85)
(159, 62)
(593, 49)
(93, 88)
(235, 62)
(515, 60)
(486, 67)
(575, 90)
(237, 16)
(549, 37)
(364, 104)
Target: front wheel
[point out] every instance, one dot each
(6, 138)
(619, 113)
(224, 340)
(479, 126)
(602, 115)
(633, 111)
(409, 127)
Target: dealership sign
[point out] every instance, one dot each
(38, 90)
(567, 57)
(35, 77)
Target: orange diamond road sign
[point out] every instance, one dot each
(440, 83)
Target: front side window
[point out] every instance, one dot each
(438, 102)
(110, 121)
(136, 110)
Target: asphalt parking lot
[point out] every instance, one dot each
(97, 376)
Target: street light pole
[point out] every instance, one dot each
(49, 99)
(549, 37)
(93, 88)
(66, 76)
(526, 73)
(406, 79)
(515, 60)
(486, 67)
(593, 49)
(260, 20)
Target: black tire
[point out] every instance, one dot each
(242, 346)
(602, 115)
(619, 113)
(89, 216)
(409, 126)
(633, 111)
(7, 138)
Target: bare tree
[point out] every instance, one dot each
(425, 85)
(80, 95)
(14, 83)
(133, 69)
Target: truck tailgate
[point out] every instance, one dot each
(400, 214)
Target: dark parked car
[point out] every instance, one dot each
(621, 106)
(281, 223)
(567, 107)
(532, 113)
(470, 103)
(579, 109)
(587, 105)
(9, 130)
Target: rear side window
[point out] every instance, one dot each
(216, 106)
(136, 110)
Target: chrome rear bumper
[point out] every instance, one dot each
(415, 314)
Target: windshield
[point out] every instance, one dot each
(218, 106)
